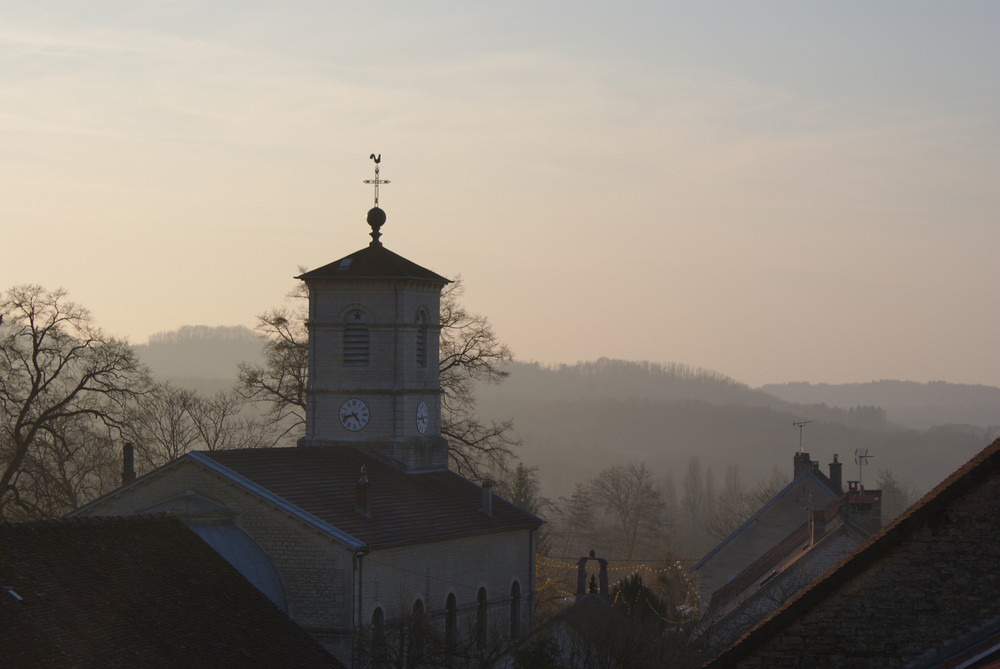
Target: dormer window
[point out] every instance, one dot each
(356, 345)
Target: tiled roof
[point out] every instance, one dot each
(374, 262)
(322, 481)
(139, 591)
(983, 465)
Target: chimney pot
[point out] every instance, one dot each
(128, 463)
(487, 503)
(837, 475)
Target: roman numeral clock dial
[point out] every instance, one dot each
(354, 414)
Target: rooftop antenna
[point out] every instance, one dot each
(799, 425)
(861, 459)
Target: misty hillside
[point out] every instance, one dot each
(907, 403)
(200, 357)
(575, 420)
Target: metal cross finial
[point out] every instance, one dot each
(377, 181)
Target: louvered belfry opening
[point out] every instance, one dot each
(421, 339)
(356, 344)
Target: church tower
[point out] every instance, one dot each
(374, 333)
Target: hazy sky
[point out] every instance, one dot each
(774, 190)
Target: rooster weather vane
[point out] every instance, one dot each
(376, 181)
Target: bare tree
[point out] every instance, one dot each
(627, 493)
(166, 422)
(471, 352)
(281, 381)
(62, 381)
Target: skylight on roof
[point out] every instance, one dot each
(345, 264)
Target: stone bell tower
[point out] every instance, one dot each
(374, 333)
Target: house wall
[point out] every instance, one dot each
(936, 583)
(394, 578)
(773, 524)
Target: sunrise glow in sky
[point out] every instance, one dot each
(778, 191)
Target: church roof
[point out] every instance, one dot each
(135, 591)
(319, 484)
(374, 262)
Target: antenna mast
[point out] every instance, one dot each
(799, 425)
(861, 459)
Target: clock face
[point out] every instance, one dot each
(423, 416)
(354, 414)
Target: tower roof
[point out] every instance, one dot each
(374, 262)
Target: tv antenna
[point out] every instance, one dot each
(799, 425)
(861, 459)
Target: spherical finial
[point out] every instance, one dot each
(376, 219)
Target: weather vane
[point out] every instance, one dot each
(377, 181)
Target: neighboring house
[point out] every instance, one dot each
(362, 526)
(779, 574)
(135, 592)
(924, 593)
(809, 490)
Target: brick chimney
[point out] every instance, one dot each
(128, 463)
(836, 475)
(362, 494)
(801, 464)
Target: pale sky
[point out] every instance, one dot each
(778, 191)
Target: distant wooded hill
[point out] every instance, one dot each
(919, 405)
(577, 419)
(201, 357)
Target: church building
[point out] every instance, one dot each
(361, 533)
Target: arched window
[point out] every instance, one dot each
(421, 338)
(515, 610)
(378, 649)
(418, 629)
(451, 625)
(356, 339)
(481, 619)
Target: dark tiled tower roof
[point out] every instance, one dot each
(373, 262)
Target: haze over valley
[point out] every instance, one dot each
(574, 420)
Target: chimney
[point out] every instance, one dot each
(487, 506)
(801, 464)
(817, 526)
(128, 463)
(362, 494)
(836, 475)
